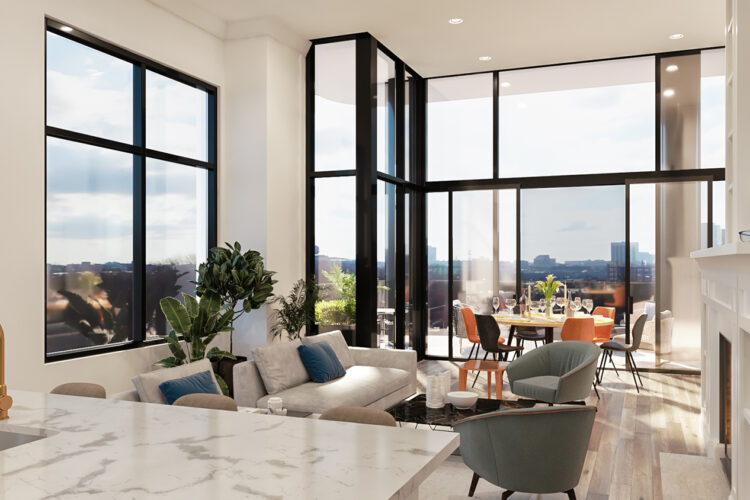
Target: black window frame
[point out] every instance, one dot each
(141, 153)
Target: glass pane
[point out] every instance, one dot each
(437, 274)
(386, 114)
(386, 286)
(176, 117)
(335, 112)
(578, 235)
(176, 234)
(473, 249)
(577, 119)
(505, 242)
(642, 267)
(409, 276)
(680, 111)
(713, 92)
(335, 252)
(459, 127)
(88, 91)
(720, 219)
(89, 246)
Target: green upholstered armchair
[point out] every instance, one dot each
(533, 450)
(560, 372)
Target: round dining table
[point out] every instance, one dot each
(542, 321)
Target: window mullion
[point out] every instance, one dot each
(139, 204)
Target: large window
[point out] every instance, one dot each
(130, 199)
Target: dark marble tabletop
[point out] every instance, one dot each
(415, 410)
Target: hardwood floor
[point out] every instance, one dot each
(630, 430)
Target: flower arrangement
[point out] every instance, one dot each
(548, 288)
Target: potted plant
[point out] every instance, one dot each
(241, 282)
(295, 310)
(548, 288)
(199, 322)
(339, 311)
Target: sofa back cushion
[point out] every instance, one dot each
(337, 342)
(280, 366)
(198, 383)
(321, 362)
(147, 384)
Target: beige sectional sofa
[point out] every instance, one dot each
(377, 378)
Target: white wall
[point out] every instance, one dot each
(240, 70)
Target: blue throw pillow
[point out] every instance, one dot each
(198, 383)
(321, 362)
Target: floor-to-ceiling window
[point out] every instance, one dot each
(130, 192)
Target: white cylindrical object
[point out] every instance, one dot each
(445, 379)
(434, 392)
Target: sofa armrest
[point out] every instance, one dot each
(388, 358)
(248, 386)
(131, 395)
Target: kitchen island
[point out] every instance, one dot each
(95, 448)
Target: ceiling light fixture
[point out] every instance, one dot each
(668, 92)
(672, 68)
(455, 20)
(676, 36)
(485, 58)
(505, 84)
(66, 29)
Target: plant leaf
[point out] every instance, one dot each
(222, 385)
(191, 304)
(176, 314)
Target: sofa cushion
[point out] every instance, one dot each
(280, 366)
(361, 386)
(147, 384)
(198, 383)
(543, 388)
(321, 362)
(336, 340)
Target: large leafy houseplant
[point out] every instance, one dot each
(198, 322)
(237, 278)
(296, 310)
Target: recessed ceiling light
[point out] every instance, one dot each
(485, 58)
(672, 68)
(668, 92)
(505, 84)
(676, 36)
(66, 29)
(455, 20)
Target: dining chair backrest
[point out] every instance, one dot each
(578, 329)
(470, 323)
(607, 312)
(489, 332)
(637, 332)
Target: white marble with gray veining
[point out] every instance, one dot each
(125, 450)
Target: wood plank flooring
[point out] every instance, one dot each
(630, 430)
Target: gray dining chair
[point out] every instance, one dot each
(530, 450)
(560, 372)
(628, 349)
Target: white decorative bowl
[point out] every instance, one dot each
(463, 400)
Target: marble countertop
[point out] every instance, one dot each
(124, 450)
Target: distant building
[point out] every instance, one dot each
(431, 253)
(544, 261)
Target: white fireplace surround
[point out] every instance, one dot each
(725, 290)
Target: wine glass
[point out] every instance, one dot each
(542, 305)
(495, 303)
(510, 304)
(534, 306)
(588, 304)
(561, 302)
(575, 305)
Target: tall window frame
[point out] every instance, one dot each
(141, 152)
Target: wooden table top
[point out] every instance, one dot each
(541, 321)
(485, 365)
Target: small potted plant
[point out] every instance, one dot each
(548, 288)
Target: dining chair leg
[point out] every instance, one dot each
(632, 370)
(637, 371)
(613, 364)
(472, 350)
(595, 390)
(478, 372)
(571, 494)
(600, 368)
(506, 494)
(473, 487)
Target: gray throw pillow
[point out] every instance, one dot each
(280, 366)
(336, 340)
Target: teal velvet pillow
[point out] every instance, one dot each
(198, 383)
(321, 362)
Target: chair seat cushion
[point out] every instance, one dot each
(542, 388)
(614, 346)
(361, 386)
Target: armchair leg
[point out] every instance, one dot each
(506, 494)
(571, 494)
(473, 487)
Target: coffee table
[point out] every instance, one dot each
(414, 410)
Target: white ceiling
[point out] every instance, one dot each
(516, 33)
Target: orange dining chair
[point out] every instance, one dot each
(578, 329)
(603, 333)
(470, 323)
